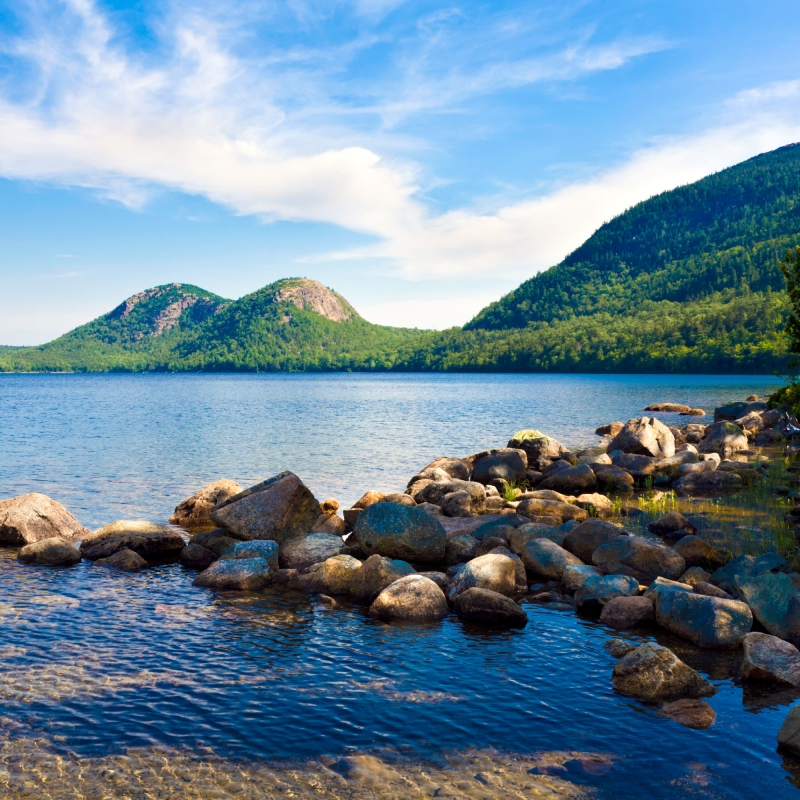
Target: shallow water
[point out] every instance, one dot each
(116, 685)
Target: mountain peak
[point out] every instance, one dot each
(309, 295)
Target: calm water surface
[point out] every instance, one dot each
(95, 663)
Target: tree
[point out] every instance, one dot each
(790, 267)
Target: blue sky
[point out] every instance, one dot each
(421, 158)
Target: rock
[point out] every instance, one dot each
(34, 517)
(768, 658)
(546, 558)
(612, 429)
(636, 465)
(329, 506)
(587, 536)
(368, 499)
(697, 552)
(301, 554)
(488, 607)
(439, 578)
(619, 647)
(351, 516)
(670, 408)
(575, 575)
(768, 596)
(376, 573)
(330, 523)
(710, 590)
(399, 497)
(638, 557)
(534, 530)
(235, 573)
(455, 467)
(694, 412)
(196, 510)
(333, 576)
(545, 494)
(596, 504)
(572, 480)
(430, 508)
(745, 567)
(492, 571)
(624, 612)
(416, 486)
(489, 544)
(152, 542)
(670, 524)
(413, 597)
(732, 411)
(280, 509)
(724, 439)
(54, 552)
(700, 466)
(536, 445)
(436, 491)
(258, 548)
(401, 532)
(599, 590)
(695, 714)
(693, 576)
(614, 479)
(646, 436)
(789, 734)
(510, 465)
(205, 548)
(706, 621)
(124, 560)
(652, 672)
(534, 507)
(694, 432)
(711, 484)
(460, 549)
(665, 585)
(457, 504)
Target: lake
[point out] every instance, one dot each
(140, 685)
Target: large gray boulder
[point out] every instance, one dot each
(492, 571)
(33, 517)
(413, 597)
(536, 445)
(546, 558)
(508, 465)
(769, 596)
(597, 591)
(587, 536)
(724, 439)
(205, 548)
(55, 552)
(333, 576)
(258, 548)
(705, 621)
(639, 558)
(768, 658)
(460, 549)
(652, 672)
(489, 608)
(401, 532)
(196, 510)
(281, 509)
(572, 480)
(152, 542)
(301, 554)
(236, 574)
(376, 573)
(646, 436)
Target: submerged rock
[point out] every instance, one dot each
(413, 597)
(196, 510)
(670, 524)
(376, 573)
(152, 542)
(34, 517)
(54, 552)
(488, 607)
(695, 714)
(124, 560)
(768, 658)
(706, 621)
(235, 573)
(401, 532)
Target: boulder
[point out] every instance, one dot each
(705, 465)
(731, 411)
(646, 436)
(258, 548)
(439, 578)
(401, 532)
(413, 597)
(301, 554)
(670, 524)
(235, 573)
(652, 672)
(768, 658)
(534, 530)
(534, 507)
(636, 465)
(546, 558)
(705, 484)
(431, 508)
(455, 467)
(205, 548)
(572, 480)
(196, 510)
(596, 504)
(695, 714)
(376, 573)
(460, 549)
(333, 576)
(54, 552)
(124, 560)
(745, 567)
(399, 497)
(617, 648)
(693, 576)
(611, 430)
(575, 575)
(670, 408)
(329, 506)
(434, 493)
(597, 591)
(789, 734)
(331, 523)
(280, 509)
(492, 571)
(724, 439)
(152, 542)
(710, 590)
(490, 608)
(536, 445)
(368, 499)
(768, 596)
(665, 585)
(510, 465)
(457, 504)
(705, 621)
(638, 557)
(34, 517)
(625, 612)
(587, 536)
(697, 552)
(614, 479)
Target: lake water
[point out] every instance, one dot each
(116, 685)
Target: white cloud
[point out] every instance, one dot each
(430, 314)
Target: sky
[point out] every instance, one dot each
(420, 158)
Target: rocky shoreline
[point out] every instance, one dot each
(473, 536)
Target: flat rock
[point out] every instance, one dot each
(492, 571)
(599, 590)
(152, 542)
(695, 714)
(535, 507)
(705, 621)
(54, 552)
(671, 408)
(413, 597)
(489, 608)
(196, 510)
(401, 532)
(280, 509)
(625, 613)
(708, 484)
(124, 560)
(639, 558)
(587, 536)
(545, 558)
(768, 658)
(376, 573)
(235, 574)
(30, 518)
